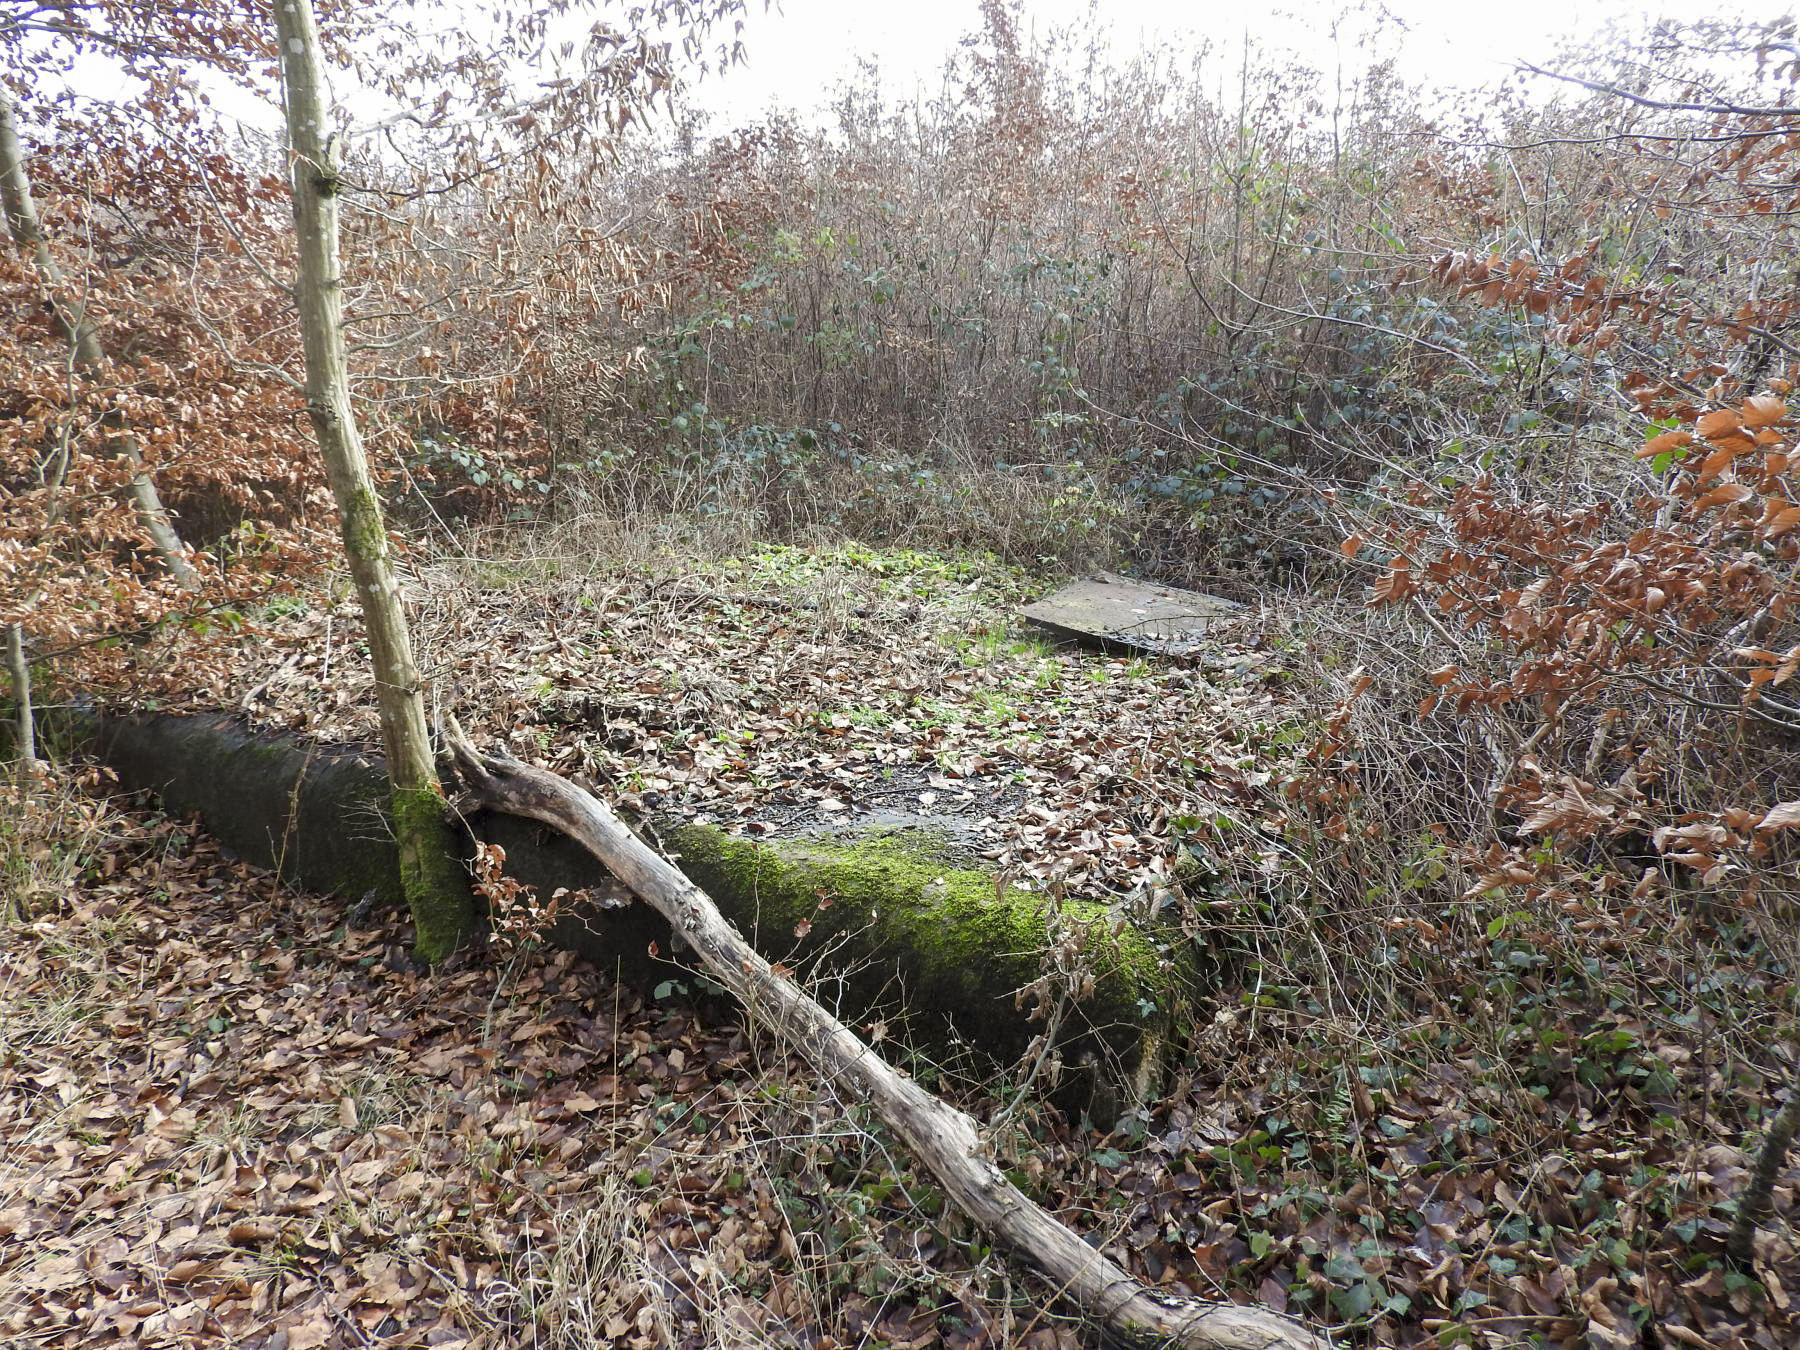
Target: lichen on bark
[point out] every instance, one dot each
(432, 875)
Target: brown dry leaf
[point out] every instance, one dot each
(1764, 410)
(1782, 816)
(1666, 442)
(251, 1232)
(1720, 422)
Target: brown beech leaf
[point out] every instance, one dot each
(1781, 816)
(251, 1232)
(1395, 584)
(1781, 522)
(1669, 440)
(1720, 422)
(1764, 410)
(1723, 495)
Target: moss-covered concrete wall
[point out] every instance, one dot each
(318, 815)
(886, 922)
(879, 928)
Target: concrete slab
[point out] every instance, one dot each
(1115, 612)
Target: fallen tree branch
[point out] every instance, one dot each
(940, 1136)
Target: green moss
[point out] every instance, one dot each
(432, 876)
(365, 537)
(497, 575)
(914, 929)
(896, 570)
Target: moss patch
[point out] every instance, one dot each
(365, 537)
(432, 875)
(887, 923)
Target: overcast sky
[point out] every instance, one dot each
(797, 53)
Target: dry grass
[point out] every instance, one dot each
(588, 1281)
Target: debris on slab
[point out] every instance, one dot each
(1117, 613)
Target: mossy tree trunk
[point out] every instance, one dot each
(436, 887)
(84, 344)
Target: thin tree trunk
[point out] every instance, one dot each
(436, 887)
(940, 1136)
(1754, 1206)
(21, 681)
(78, 332)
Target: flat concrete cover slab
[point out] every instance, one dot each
(1109, 610)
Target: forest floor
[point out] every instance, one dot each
(786, 688)
(228, 1117)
